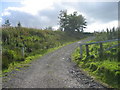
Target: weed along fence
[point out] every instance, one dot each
(101, 49)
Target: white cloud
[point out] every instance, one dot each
(44, 19)
(5, 13)
(97, 26)
(70, 10)
(11, 0)
(33, 7)
(56, 27)
(68, 0)
(90, 0)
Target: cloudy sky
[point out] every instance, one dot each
(44, 13)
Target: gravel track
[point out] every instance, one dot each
(54, 70)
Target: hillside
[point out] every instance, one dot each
(21, 43)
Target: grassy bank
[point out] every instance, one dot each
(36, 43)
(105, 69)
(29, 59)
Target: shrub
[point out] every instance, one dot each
(7, 58)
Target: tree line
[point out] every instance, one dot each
(68, 22)
(7, 24)
(108, 34)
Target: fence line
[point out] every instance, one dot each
(101, 47)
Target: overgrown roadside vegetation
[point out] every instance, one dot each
(22, 45)
(106, 69)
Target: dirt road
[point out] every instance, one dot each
(54, 70)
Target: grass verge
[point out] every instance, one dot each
(29, 59)
(105, 70)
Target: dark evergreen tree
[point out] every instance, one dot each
(19, 24)
(7, 23)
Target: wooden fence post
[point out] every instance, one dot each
(101, 50)
(23, 52)
(81, 51)
(87, 50)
